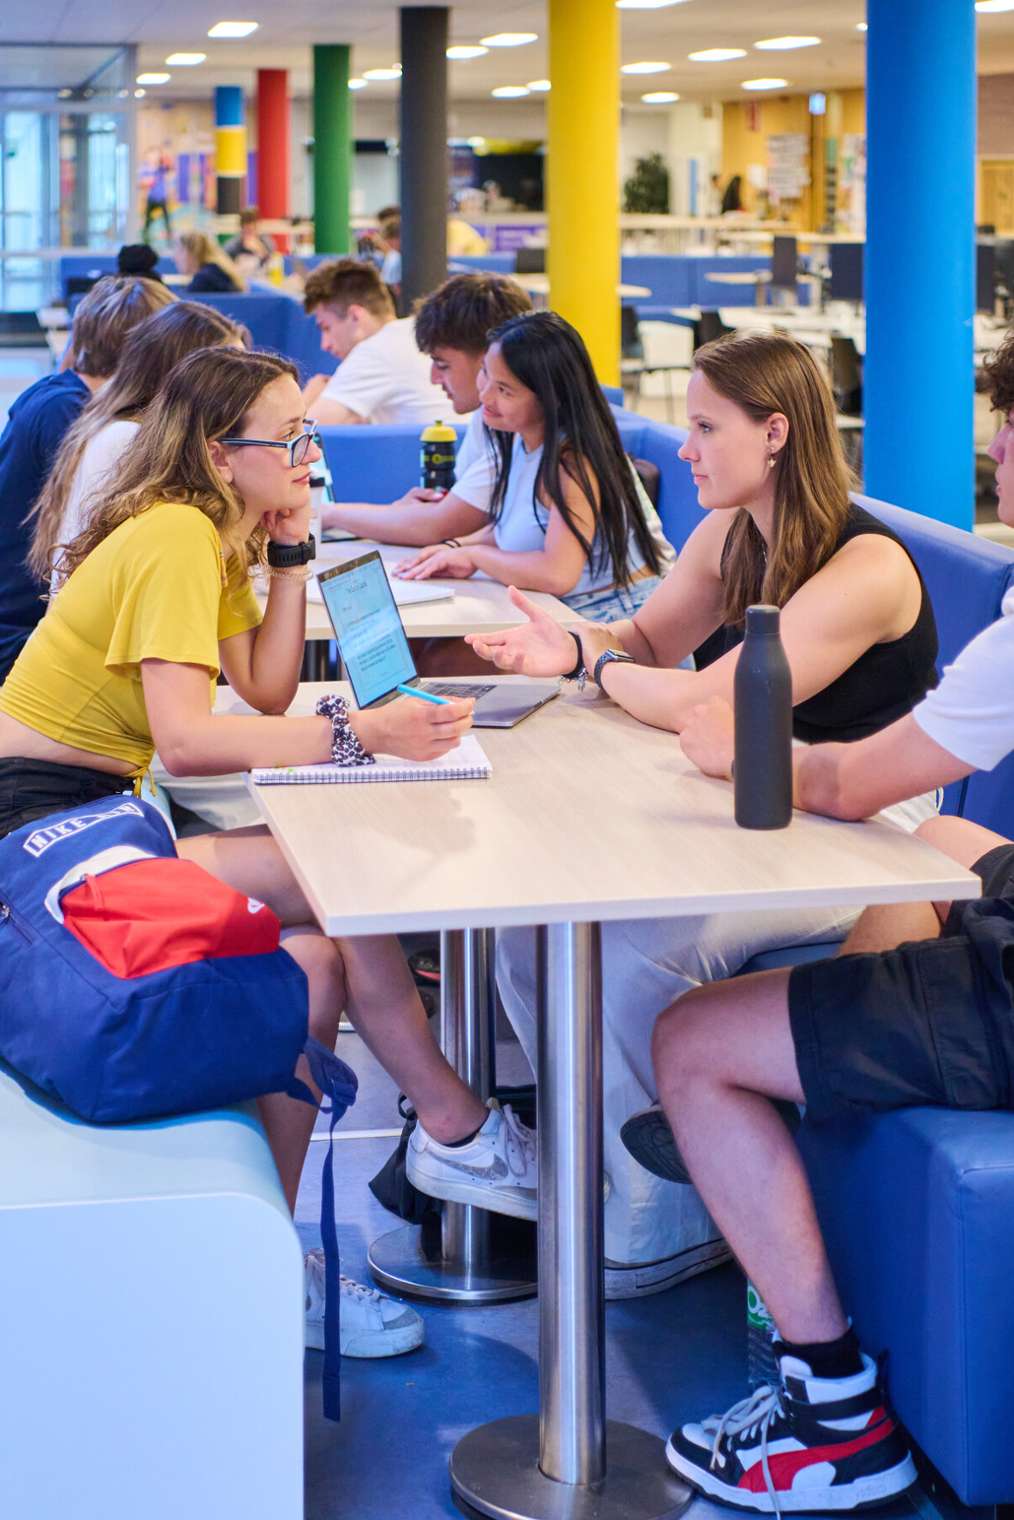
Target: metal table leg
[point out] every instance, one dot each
(568, 1463)
(466, 1270)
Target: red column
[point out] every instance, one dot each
(273, 145)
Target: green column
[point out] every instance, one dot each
(332, 147)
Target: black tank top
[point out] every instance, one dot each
(884, 683)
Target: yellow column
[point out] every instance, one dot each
(582, 190)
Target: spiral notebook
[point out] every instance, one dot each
(468, 762)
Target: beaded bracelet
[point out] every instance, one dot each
(345, 746)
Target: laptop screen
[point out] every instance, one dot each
(368, 627)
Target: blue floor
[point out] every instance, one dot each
(671, 1357)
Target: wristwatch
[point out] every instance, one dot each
(284, 556)
(610, 657)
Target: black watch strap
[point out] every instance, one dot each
(284, 556)
(572, 675)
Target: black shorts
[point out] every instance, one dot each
(925, 1023)
(31, 789)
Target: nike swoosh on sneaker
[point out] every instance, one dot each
(495, 1172)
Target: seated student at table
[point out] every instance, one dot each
(382, 376)
(452, 326)
(250, 249)
(38, 420)
(912, 1012)
(390, 268)
(109, 423)
(209, 266)
(157, 600)
(568, 512)
(860, 637)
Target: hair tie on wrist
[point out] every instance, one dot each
(345, 746)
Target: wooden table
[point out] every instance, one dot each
(588, 816)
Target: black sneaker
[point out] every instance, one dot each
(809, 1445)
(649, 1139)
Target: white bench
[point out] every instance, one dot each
(151, 1319)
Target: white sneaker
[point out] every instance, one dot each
(371, 1323)
(496, 1170)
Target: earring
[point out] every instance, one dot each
(771, 461)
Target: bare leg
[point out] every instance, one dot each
(381, 996)
(887, 927)
(716, 1052)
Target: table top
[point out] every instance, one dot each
(538, 285)
(588, 815)
(477, 606)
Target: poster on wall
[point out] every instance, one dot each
(788, 166)
(852, 182)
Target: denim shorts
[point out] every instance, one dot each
(926, 1023)
(31, 789)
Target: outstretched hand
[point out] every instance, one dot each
(539, 647)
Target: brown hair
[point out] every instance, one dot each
(249, 215)
(114, 305)
(204, 250)
(150, 351)
(347, 282)
(206, 397)
(464, 310)
(999, 373)
(765, 373)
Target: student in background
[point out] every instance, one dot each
(210, 267)
(390, 269)
(382, 376)
(250, 248)
(451, 327)
(38, 420)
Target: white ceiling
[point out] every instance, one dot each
(287, 32)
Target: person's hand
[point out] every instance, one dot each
(419, 495)
(437, 560)
(289, 525)
(595, 640)
(539, 647)
(413, 729)
(708, 738)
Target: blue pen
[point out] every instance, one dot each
(424, 696)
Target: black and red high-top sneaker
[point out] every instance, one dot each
(811, 1444)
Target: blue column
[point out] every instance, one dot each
(918, 379)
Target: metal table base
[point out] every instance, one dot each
(464, 1269)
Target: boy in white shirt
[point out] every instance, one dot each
(382, 376)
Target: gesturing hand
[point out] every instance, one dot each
(539, 647)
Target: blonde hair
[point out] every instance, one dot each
(154, 348)
(204, 250)
(108, 311)
(763, 373)
(205, 398)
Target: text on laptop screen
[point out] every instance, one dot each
(373, 645)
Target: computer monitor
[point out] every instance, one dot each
(530, 261)
(846, 272)
(784, 263)
(985, 277)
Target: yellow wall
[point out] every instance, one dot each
(741, 146)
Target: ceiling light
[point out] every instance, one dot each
(660, 97)
(185, 60)
(467, 50)
(233, 28)
(539, 86)
(510, 91)
(509, 39)
(154, 78)
(645, 5)
(786, 44)
(358, 84)
(649, 67)
(391, 73)
(716, 55)
(122, 94)
(861, 26)
(764, 84)
(992, 7)
(138, 94)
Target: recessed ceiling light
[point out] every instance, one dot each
(358, 84)
(660, 97)
(648, 67)
(992, 7)
(467, 50)
(786, 44)
(764, 84)
(509, 39)
(861, 26)
(233, 28)
(510, 91)
(540, 86)
(153, 78)
(716, 55)
(394, 72)
(646, 5)
(185, 60)
(138, 94)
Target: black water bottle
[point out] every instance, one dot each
(763, 692)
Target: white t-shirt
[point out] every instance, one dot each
(386, 379)
(971, 712)
(100, 457)
(475, 466)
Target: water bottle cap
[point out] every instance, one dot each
(438, 432)
(763, 620)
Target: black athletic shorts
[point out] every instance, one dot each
(30, 789)
(930, 1022)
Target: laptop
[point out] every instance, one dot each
(376, 655)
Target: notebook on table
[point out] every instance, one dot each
(405, 593)
(468, 762)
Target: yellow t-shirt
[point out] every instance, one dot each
(156, 588)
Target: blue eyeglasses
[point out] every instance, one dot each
(298, 447)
